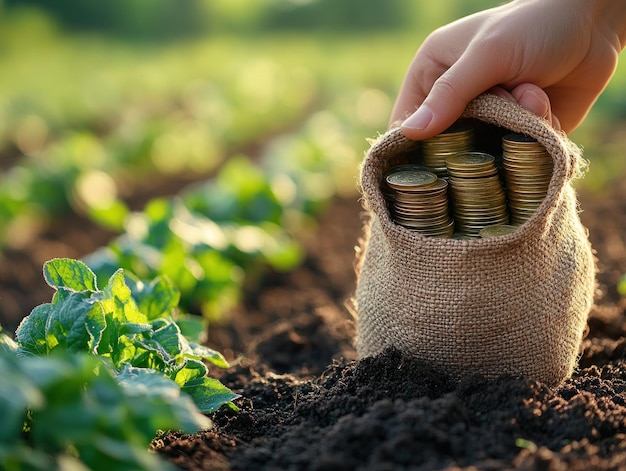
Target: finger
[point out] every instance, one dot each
(556, 124)
(450, 94)
(409, 98)
(534, 99)
(417, 83)
(539, 104)
(501, 92)
(537, 101)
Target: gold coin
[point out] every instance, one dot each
(435, 150)
(539, 172)
(406, 179)
(419, 205)
(440, 185)
(427, 226)
(521, 210)
(438, 169)
(528, 164)
(473, 182)
(480, 212)
(470, 159)
(518, 139)
(479, 201)
(532, 198)
(523, 156)
(424, 223)
(419, 199)
(471, 226)
(475, 173)
(440, 228)
(497, 230)
(420, 215)
(481, 218)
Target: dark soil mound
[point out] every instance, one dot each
(391, 412)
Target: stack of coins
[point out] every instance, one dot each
(478, 199)
(435, 150)
(527, 173)
(419, 201)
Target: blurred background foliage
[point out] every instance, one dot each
(172, 19)
(101, 99)
(97, 98)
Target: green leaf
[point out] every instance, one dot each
(170, 338)
(192, 327)
(68, 274)
(163, 346)
(55, 373)
(117, 300)
(21, 456)
(119, 454)
(527, 444)
(7, 344)
(190, 370)
(112, 216)
(157, 298)
(17, 393)
(145, 381)
(131, 328)
(110, 337)
(287, 256)
(209, 394)
(206, 353)
(95, 323)
(107, 426)
(155, 391)
(31, 333)
(67, 324)
(125, 351)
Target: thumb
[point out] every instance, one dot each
(448, 97)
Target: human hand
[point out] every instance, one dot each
(554, 57)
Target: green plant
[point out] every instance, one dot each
(92, 376)
(125, 333)
(73, 412)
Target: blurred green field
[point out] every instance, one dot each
(96, 100)
(100, 100)
(237, 84)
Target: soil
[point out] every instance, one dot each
(308, 404)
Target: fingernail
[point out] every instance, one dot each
(420, 119)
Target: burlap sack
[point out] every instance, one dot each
(516, 303)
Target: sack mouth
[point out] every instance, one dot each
(499, 116)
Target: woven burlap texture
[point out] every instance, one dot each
(514, 304)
